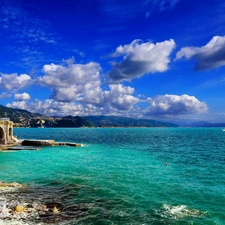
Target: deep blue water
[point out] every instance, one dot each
(119, 175)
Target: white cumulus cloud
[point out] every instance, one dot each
(210, 56)
(120, 97)
(73, 81)
(140, 58)
(81, 83)
(14, 82)
(22, 97)
(175, 105)
(49, 107)
(18, 105)
(118, 100)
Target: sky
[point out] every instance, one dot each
(152, 59)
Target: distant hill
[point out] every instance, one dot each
(206, 124)
(16, 115)
(116, 121)
(23, 118)
(71, 121)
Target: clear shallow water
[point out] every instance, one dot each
(119, 176)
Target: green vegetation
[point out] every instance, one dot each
(23, 118)
(116, 121)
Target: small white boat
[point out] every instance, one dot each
(223, 129)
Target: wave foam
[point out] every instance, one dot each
(178, 212)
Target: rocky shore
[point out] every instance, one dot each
(22, 204)
(13, 209)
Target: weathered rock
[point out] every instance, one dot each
(13, 184)
(55, 210)
(3, 184)
(4, 211)
(37, 142)
(41, 207)
(20, 208)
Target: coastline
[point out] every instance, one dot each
(29, 208)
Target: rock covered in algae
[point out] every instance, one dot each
(55, 210)
(20, 208)
(13, 184)
(10, 187)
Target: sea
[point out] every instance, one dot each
(119, 176)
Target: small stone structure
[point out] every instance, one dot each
(9, 142)
(6, 131)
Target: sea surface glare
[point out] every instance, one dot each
(119, 176)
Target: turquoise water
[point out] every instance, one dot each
(119, 175)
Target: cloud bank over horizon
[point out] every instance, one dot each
(175, 105)
(82, 88)
(77, 89)
(161, 107)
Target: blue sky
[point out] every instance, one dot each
(156, 59)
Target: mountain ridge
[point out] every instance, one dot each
(24, 118)
(117, 121)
